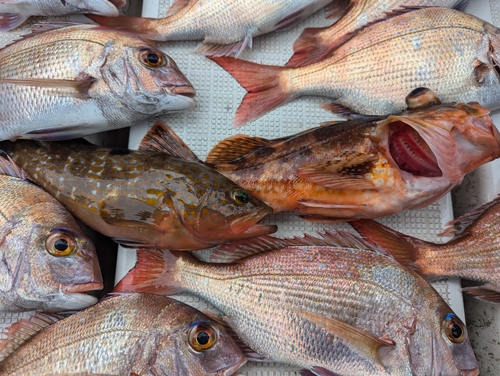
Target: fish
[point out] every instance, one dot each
(132, 334)
(48, 262)
(142, 197)
(13, 13)
(472, 254)
(452, 53)
(226, 27)
(73, 81)
(364, 168)
(315, 44)
(330, 304)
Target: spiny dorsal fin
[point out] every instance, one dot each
(8, 167)
(162, 138)
(23, 330)
(234, 147)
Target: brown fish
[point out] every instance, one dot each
(473, 254)
(364, 168)
(145, 198)
(48, 262)
(315, 44)
(136, 334)
(332, 305)
(453, 53)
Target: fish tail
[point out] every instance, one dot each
(262, 83)
(153, 273)
(404, 248)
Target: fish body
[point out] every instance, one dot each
(226, 27)
(83, 79)
(337, 309)
(14, 12)
(48, 262)
(453, 53)
(474, 254)
(364, 168)
(315, 44)
(144, 197)
(135, 334)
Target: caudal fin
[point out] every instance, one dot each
(152, 273)
(262, 82)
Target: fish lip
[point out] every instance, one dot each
(83, 287)
(186, 91)
(232, 369)
(470, 372)
(239, 224)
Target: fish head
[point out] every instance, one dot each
(63, 264)
(101, 7)
(203, 346)
(143, 78)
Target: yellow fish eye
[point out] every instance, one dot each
(201, 336)
(240, 196)
(60, 244)
(152, 59)
(454, 328)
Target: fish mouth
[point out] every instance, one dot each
(410, 151)
(247, 224)
(232, 369)
(83, 288)
(186, 91)
(470, 372)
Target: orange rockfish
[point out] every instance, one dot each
(364, 168)
(145, 197)
(225, 26)
(315, 44)
(453, 53)
(474, 254)
(332, 305)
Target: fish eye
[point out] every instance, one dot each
(152, 59)
(240, 196)
(454, 328)
(60, 244)
(202, 337)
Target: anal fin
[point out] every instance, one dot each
(9, 21)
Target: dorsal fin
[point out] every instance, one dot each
(24, 329)
(163, 139)
(234, 147)
(177, 6)
(236, 250)
(8, 167)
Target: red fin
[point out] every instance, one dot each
(9, 21)
(404, 248)
(219, 50)
(134, 25)
(234, 147)
(163, 139)
(262, 84)
(338, 109)
(338, 8)
(152, 273)
(483, 293)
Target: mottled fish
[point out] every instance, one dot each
(315, 44)
(83, 79)
(453, 53)
(474, 254)
(226, 27)
(331, 305)
(364, 168)
(147, 198)
(47, 261)
(14, 12)
(135, 334)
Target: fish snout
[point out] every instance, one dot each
(187, 90)
(84, 287)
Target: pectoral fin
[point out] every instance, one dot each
(78, 87)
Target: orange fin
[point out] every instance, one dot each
(142, 26)
(483, 293)
(9, 21)
(152, 273)
(23, 330)
(338, 8)
(262, 84)
(462, 223)
(163, 139)
(234, 147)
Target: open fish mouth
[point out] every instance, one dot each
(187, 91)
(231, 370)
(83, 288)
(410, 151)
(247, 224)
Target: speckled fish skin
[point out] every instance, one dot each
(359, 168)
(280, 303)
(453, 53)
(136, 334)
(315, 44)
(32, 278)
(473, 254)
(226, 27)
(143, 198)
(86, 79)
(14, 13)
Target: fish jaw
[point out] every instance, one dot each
(248, 224)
